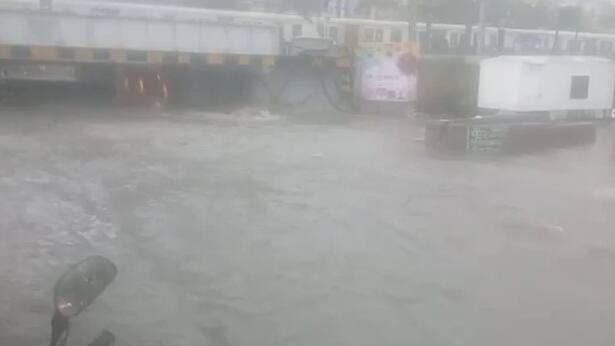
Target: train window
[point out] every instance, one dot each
(454, 40)
(590, 46)
(579, 87)
(438, 41)
(379, 35)
(369, 34)
(493, 40)
(574, 46)
(333, 33)
(297, 30)
(464, 41)
(546, 43)
(529, 42)
(396, 35)
(606, 47)
(557, 45)
(424, 40)
(321, 29)
(501, 39)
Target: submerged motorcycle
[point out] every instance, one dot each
(75, 291)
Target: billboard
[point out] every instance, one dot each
(387, 72)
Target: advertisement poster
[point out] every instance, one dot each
(387, 72)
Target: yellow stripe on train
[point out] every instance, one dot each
(121, 56)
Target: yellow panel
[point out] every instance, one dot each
(183, 58)
(343, 63)
(118, 55)
(243, 60)
(215, 59)
(316, 61)
(269, 61)
(84, 54)
(154, 57)
(5, 52)
(43, 53)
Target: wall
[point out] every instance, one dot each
(498, 84)
(298, 85)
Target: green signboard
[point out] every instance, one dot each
(487, 138)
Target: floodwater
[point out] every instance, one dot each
(294, 232)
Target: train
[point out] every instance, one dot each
(299, 33)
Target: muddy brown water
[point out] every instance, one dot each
(282, 231)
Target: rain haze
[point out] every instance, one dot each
(291, 173)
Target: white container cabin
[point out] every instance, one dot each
(556, 85)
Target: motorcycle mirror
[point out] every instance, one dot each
(82, 284)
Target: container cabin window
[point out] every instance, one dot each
(579, 88)
(297, 30)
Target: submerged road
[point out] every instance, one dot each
(278, 231)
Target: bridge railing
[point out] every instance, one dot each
(69, 30)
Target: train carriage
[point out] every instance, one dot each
(298, 32)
